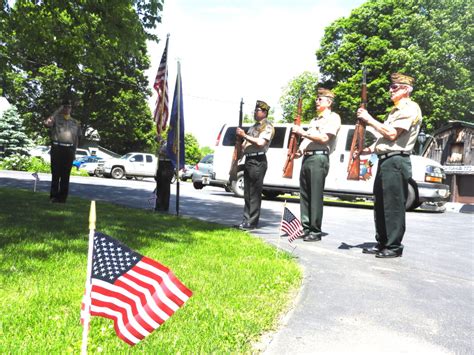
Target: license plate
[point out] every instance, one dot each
(205, 180)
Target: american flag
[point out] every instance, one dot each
(136, 292)
(291, 225)
(161, 87)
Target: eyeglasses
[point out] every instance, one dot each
(395, 87)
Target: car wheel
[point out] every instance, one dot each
(412, 201)
(237, 185)
(198, 185)
(117, 172)
(98, 173)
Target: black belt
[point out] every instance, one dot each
(316, 152)
(254, 154)
(63, 144)
(392, 154)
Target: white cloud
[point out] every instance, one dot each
(250, 50)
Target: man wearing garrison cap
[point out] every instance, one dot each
(393, 148)
(256, 143)
(65, 135)
(318, 142)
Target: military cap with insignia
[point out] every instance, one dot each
(399, 78)
(262, 105)
(322, 92)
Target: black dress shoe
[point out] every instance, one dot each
(387, 253)
(312, 238)
(372, 250)
(245, 226)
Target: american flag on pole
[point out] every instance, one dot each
(291, 225)
(161, 87)
(136, 292)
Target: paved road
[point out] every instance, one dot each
(350, 302)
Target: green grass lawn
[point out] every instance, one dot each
(240, 284)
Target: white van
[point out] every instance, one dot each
(426, 184)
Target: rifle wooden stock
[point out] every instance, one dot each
(293, 145)
(237, 154)
(357, 145)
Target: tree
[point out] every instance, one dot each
(13, 139)
(306, 85)
(94, 52)
(192, 151)
(427, 39)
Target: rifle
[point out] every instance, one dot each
(353, 169)
(293, 145)
(237, 149)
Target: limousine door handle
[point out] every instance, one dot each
(341, 158)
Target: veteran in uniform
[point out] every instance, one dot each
(399, 133)
(65, 135)
(318, 142)
(164, 175)
(255, 145)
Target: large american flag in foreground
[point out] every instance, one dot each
(136, 292)
(161, 87)
(291, 225)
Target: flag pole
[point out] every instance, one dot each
(178, 133)
(280, 234)
(87, 296)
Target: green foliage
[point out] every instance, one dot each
(304, 84)
(240, 284)
(206, 150)
(13, 139)
(430, 40)
(92, 51)
(192, 152)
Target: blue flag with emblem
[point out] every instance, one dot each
(175, 145)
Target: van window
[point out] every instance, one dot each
(278, 138)
(277, 141)
(369, 139)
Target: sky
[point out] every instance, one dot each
(233, 49)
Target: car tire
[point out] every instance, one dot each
(117, 172)
(98, 173)
(237, 185)
(412, 199)
(198, 185)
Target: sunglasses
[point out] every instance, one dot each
(395, 87)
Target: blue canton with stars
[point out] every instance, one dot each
(111, 259)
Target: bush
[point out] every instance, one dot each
(32, 164)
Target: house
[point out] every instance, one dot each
(451, 146)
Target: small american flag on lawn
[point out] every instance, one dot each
(161, 87)
(136, 292)
(291, 225)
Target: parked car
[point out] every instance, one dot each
(78, 162)
(41, 151)
(426, 185)
(93, 166)
(137, 165)
(187, 173)
(203, 172)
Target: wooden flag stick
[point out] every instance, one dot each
(87, 296)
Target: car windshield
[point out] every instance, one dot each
(126, 156)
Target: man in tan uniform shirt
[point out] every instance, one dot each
(399, 134)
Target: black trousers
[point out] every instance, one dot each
(255, 169)
(61, 164)
(163, 178)
(390, 192)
